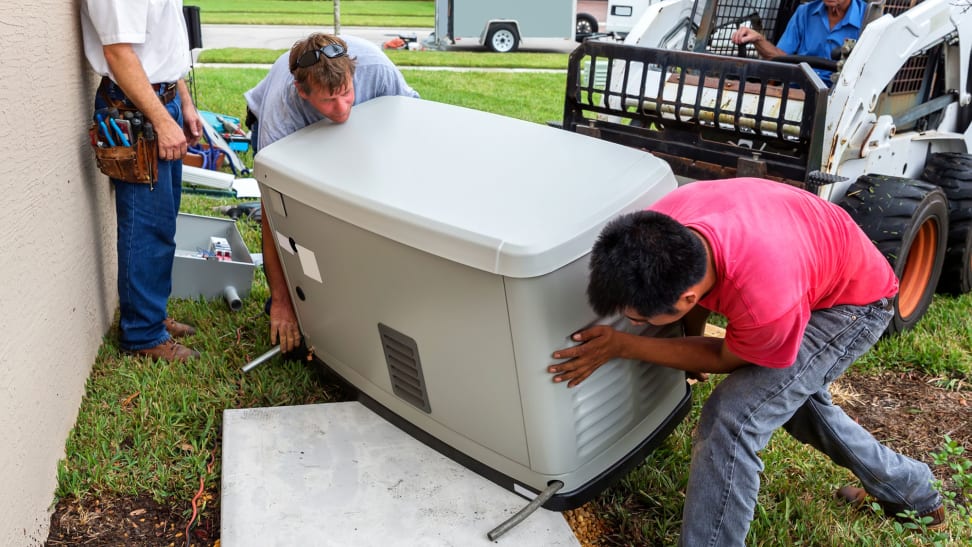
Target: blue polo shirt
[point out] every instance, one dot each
(809, 32)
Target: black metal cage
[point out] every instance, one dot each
(700, 112)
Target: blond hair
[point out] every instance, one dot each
(332, 75)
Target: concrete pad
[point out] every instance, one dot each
(337, 474)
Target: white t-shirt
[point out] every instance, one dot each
(156, 29)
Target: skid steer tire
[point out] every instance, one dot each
(908, 222)
(953, 172)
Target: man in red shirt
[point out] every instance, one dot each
(805, 293)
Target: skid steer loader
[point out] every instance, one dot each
(889, 137)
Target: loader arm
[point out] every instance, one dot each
(866, 130)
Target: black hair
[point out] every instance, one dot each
(644, 260)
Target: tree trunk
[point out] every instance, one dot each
(337, 17)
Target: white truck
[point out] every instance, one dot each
(623, 14)
(501, 25)
(889, 138)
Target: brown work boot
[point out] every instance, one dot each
(177, 329)
(170, 350)
(858, 497)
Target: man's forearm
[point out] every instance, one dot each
(273, 269)
(184, 95)
(691, 354)
(766, 49)
(130, 76)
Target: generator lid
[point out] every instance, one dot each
(502, 195)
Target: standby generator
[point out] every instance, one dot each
(438, 255)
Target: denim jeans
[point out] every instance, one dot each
(146, 216)
(752, 402)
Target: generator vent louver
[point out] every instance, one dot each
(404, 367)
(615, 400)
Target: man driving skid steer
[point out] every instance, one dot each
(816, 29)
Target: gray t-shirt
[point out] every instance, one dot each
(281, 111)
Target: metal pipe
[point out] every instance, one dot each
(535, 504)
(262, 359)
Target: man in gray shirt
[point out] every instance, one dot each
(321, 78)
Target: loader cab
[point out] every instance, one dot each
(723, 17)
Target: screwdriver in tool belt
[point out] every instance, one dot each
(112, 114)
(121, 134)
(104, 129)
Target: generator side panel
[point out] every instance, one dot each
(576, 434)
(360, 297)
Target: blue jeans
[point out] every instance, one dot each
(146, 247)
(750, 403)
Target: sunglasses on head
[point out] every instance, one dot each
(310, 58)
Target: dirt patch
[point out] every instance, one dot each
(125, 521)
(907, 411)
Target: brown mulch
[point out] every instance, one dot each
(125, 521)
(906, 410)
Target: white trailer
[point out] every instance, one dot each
(501, 25)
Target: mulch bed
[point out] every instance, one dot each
(127, 521)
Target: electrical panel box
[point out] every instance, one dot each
(202, 270)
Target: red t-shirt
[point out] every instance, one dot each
(779, 252)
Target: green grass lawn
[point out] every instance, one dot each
(403, 58)
(151, 429)
(358, 13)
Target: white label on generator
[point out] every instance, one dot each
(283, 243)
(308, 262)
(523, 491)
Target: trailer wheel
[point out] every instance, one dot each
(953, 172)
(908, 222)
(502, 38)
(586, 24)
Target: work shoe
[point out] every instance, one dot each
(177, 329)
(858, 497)
(170, 350)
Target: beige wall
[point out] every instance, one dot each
(57, 259)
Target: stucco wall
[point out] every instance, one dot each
(57, 269)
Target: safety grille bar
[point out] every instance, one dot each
(697, 107)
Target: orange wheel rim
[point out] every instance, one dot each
(918, 268)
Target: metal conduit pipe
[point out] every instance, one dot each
(522, 514)
(261, 359)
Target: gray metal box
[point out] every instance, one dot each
(195, 275)
(437, 256)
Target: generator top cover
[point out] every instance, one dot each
(502, 195)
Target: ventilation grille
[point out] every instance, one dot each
(897, 7)
(623, 393)
(910, 77)
(404, 367)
